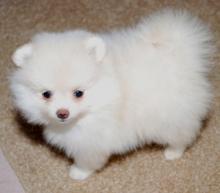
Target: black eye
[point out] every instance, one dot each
(78, 93)
(47, 94)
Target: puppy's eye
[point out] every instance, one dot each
(47, 94)
(78, 93)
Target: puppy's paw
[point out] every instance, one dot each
(173, 153)
(78, 173)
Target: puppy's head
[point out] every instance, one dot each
(62, 76)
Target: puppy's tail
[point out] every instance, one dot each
(177, 30)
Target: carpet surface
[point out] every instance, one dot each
(41, 169)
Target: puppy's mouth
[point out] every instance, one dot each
(68, 120)
(64, 120)
(72, 120)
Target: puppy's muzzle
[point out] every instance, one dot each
(62, 113)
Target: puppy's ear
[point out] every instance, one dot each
(22, 54)
(97, 47)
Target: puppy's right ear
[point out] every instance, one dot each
(22, 53)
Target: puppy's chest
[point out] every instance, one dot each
(67, 141)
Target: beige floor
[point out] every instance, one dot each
(43, 170)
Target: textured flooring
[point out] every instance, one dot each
(41, 169)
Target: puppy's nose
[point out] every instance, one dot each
(62, 113)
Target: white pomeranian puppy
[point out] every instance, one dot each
(99, 94)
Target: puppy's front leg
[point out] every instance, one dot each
(86, 164)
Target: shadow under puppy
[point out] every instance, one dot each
(99, 94)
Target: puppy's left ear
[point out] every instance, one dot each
(97, 47)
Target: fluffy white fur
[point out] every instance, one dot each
(143, 84)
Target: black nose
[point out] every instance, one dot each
(63, 113)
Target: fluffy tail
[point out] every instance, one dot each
(179, 32)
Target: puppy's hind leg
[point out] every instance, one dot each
(174, 152)
(179, 143)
